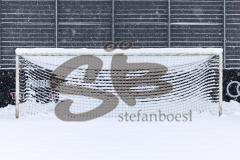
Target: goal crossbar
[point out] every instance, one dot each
(129, 52)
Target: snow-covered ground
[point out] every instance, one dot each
(207, 137)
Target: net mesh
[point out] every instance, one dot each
(184, 83)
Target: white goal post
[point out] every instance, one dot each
(187, 79)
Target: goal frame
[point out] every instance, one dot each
(129, 52)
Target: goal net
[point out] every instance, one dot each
(89, 83)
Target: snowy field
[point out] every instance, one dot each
(207, 137)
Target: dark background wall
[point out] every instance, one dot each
(93, 23)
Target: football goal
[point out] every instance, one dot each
(91, 83)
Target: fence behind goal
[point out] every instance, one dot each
(95, 83)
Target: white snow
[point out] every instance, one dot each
(207, 137)
(141, 51)
(52, 62)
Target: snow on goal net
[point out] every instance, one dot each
(95, 83)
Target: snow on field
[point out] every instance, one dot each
(207, 137)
